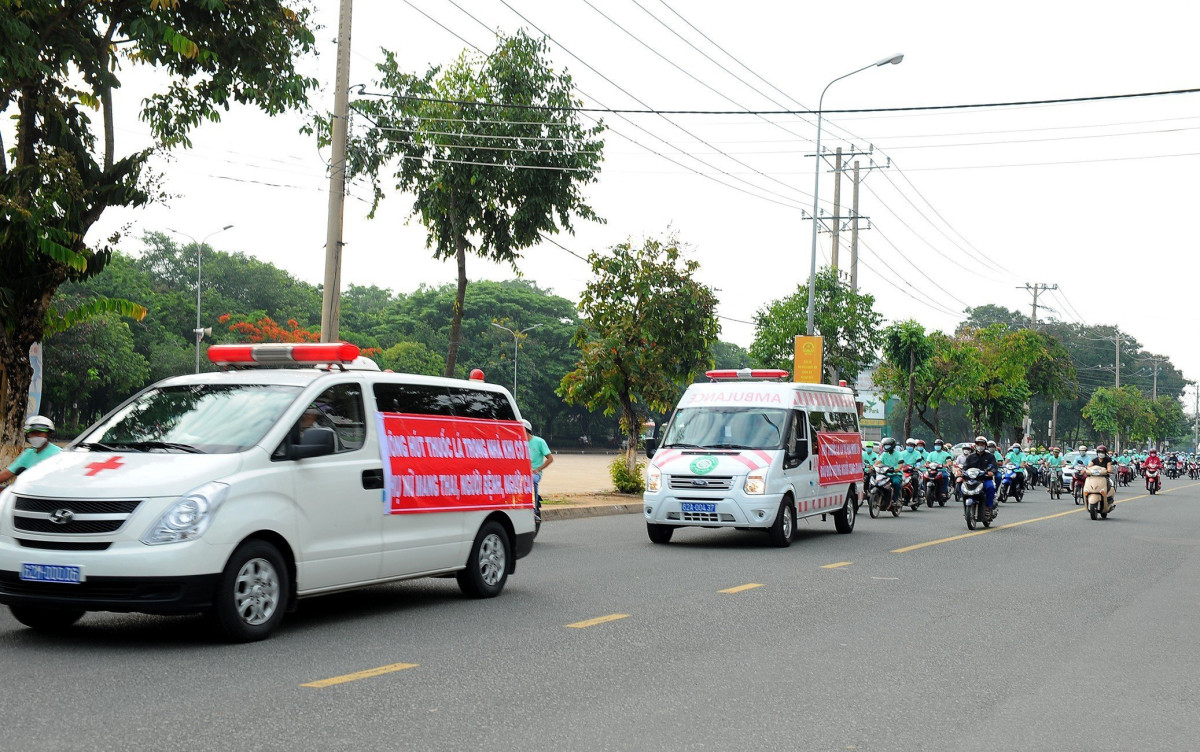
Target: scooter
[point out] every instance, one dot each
(1153, 482)
(1097, 493)
(1054, 477)
(1172, 470)
(879, 498)
(933, 485)
(1124, 475)
(1010, 484)
(910, 489)
(1077, 484)
(975, 498)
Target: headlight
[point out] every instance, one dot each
(756, 482)
(189, 517)
(653, 479)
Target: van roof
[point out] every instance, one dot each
(770, 394)
(306, 376)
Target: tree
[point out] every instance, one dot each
(58, 62)
(94, 367)
(981, 317)
(648, 329)
(412, 357)
(946, 376)
(907, 349)
(1123, 411)
(847, 320)
(492, 148)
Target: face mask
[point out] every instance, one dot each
(979, 448)
(38, 441)
(1101, 455)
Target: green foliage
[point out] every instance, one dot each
(60, 63)
(649, 328)
(412, 357)
(847, 320)
(626, 480)
(984, 316)
(88, 367)
(487, 178)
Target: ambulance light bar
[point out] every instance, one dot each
(746, 374)
(283, 354)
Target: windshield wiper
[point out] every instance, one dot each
(681, 445)
(146, 445)
(98, 445)
(728, 446)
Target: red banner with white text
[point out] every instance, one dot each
(839, 458)
(436, 464)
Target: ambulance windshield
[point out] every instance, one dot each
(195, 418)
(726, 428)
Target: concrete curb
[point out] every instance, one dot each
(592, 510)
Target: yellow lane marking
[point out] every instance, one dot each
(597, 620)
(836, 565)
(740, 588)
(359, 675)
(1018, 523)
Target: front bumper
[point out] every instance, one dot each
(745, 511)
(149, 595)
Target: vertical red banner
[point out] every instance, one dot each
(437, 464)
(839, 458)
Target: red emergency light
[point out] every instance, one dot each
(283, 354)
(746, 374)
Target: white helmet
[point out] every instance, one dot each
(910, 442)
(39, 423)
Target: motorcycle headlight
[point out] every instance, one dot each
(756, 482)
(188, 517)
(653, 479)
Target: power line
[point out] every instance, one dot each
(1054, 164)
(647, 110)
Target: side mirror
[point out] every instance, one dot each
(801, 447)
(317, 441)
(651, 446)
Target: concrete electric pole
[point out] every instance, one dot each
(331, 294)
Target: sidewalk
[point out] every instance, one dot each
(589, 505)
(578, 485)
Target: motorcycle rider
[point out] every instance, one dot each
(984, 460)
(992, 448)
(1017, 457)
(1103, 460)
(1153, 462)
(37, 433)
(890, 458)
(869, 455)
(940, 455)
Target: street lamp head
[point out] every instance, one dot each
(894, 60)
(226, 227)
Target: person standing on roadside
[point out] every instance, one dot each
(37, 433)
(539, 458)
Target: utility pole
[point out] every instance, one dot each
(1053, 420)
(1156, 360)
(332, 292)
(1196, 417)
(1036, 288)
(1117, 340)
(854, 234)
(837, 209)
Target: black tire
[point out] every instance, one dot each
(46, 619)
(784, 527)
(930, 496)
(844, 518)
(1104, 515)
(895, 509)
(1019, 494)
(987, 521)
(873, 504)
(252, 593)
(659, 533)
(488, 563)
(1002, 495)
(1093, 513)
(969, 513)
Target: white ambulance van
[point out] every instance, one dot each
(239, 492)
(751, 451)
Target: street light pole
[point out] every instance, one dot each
(812, 274)
(516, 339)
(198, 331)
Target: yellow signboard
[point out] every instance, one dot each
(810, 353)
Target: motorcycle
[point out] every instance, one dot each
(879, 497)
(1124, 475)
(910, 489)
(1010, 484)
(975, 498)
(1055, 482)
(1097, 493)
(1172, 470)
(1153, 482)
(1194, 471)
(933, 485)
(1077, 484)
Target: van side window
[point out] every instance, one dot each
(831, 422)
(340, 407)
(476, 403)
(413, 399)
(798, 433)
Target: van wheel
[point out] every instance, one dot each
(487, 565)
(659, 533)
(843, 519)
(252, 593)
(46, 619)
(784, 527)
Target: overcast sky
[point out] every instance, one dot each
(1095, 197)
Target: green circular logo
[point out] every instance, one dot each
(703, 465)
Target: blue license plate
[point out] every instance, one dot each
(51, 573)
(689, 506)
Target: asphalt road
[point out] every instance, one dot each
(1057, 633)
